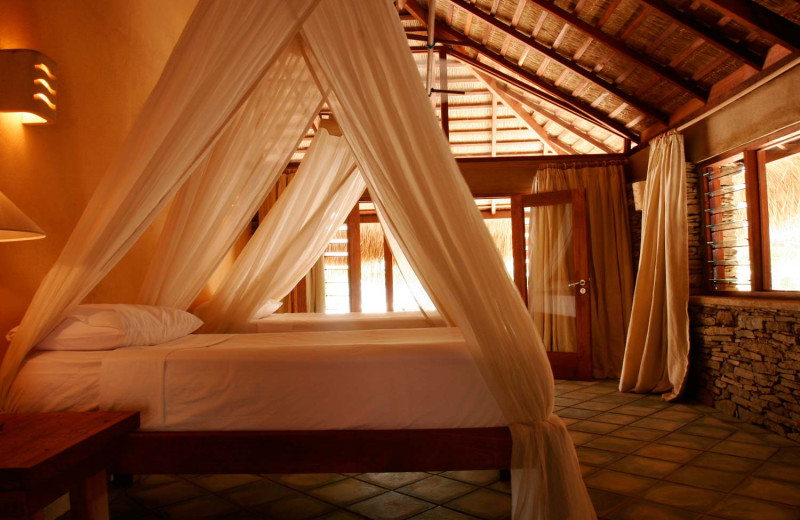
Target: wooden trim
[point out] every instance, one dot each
(582, 257)
(388, 276)
(354, 258)
(763, 219)
(444, 106)
(777, 300)
(518, 246)
(759, 19)
(754, 219)
(315, 451)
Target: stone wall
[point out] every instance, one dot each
(745, 360)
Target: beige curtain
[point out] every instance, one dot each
(425, 204)
(657, 351)
(611, 269)
(551, 301)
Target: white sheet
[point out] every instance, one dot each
(312, 321)
(343, 380)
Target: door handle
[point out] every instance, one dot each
(579, 282)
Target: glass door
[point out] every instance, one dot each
(551, 271)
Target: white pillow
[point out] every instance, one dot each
(268, 308)
(108, 326)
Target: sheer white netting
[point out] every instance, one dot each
(291, 238)
(224, 50)
(363, 56)
(415, 182)
(224, 192)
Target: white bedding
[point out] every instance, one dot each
(311, 321)
(343, 380)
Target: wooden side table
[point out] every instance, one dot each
(44, 455)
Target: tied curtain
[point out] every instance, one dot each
(360, 51)
(221, 55)
(224, 192)
(657, 351)
(610, 266)
(291, 238)
(417, 187)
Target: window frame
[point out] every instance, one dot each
(755, 160)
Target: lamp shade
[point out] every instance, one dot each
(29, 85)
(16, 225)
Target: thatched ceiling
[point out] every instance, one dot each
(591, 76)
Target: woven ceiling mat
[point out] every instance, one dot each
(592, 11)
(624, 13)
(372, 240)
(718, 74)
(469, 113)
(698, 60)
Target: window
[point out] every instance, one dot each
(752, 218)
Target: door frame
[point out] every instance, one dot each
(565, 365)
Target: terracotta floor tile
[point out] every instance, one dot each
(615, 418)
(725, 462)
(658, 424)
(478, 478)
(484, 503)
(581, 395)
(579, 438)
(390, 506)
(790, 456)
(596, 405)
(566, 401)
(595, 457)
(222, 482)
(639, 434)
(298, 507)
(392, 480)
(441, 513)
(706, 478)
(670, 453)
(706, 431)
(504, 486)
(604, 501)
(203, 508)
(683, 497)
(437, 489)
(346, 492)
(616, 398)
(644, 466)
(742, 508)
(716, 423)
(779, 472)
(684, 440)
(772, 490)
(577, 413)
(593, 427)
(616, 444)
(307, 480)
(642, 509)
(617, 482)
(569, 420)
(672, 415)
(340, 515)
(630, 409)
(751, 451)
(159, 496)
(141, 482)
(257, 493)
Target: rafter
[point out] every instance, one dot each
(641, 59)
(709, 34)
(758, 18)
(561, 60)
(542, 89)
(570, 127)
(530, 122)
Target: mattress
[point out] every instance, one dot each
(342, 380)
(310, 321)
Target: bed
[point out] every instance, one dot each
(310, 321)
(374, 400)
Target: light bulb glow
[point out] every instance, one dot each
(45, 84)
(45, 69)
(46, 100)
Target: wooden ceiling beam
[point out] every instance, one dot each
(569, 127)
(561, 60)
(542, 89)
(758, 18)
(711, 35)
(643, 60)
(552, 142)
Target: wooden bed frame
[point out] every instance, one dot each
(350, 451)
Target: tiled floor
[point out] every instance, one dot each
(641, 459)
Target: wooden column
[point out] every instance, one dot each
(518, 245)
(389, 277)
(753, 217)
(354, 258)
(444, 105)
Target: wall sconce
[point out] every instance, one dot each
(16, 225)
(29, 85)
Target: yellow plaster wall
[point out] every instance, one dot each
(109, 54)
